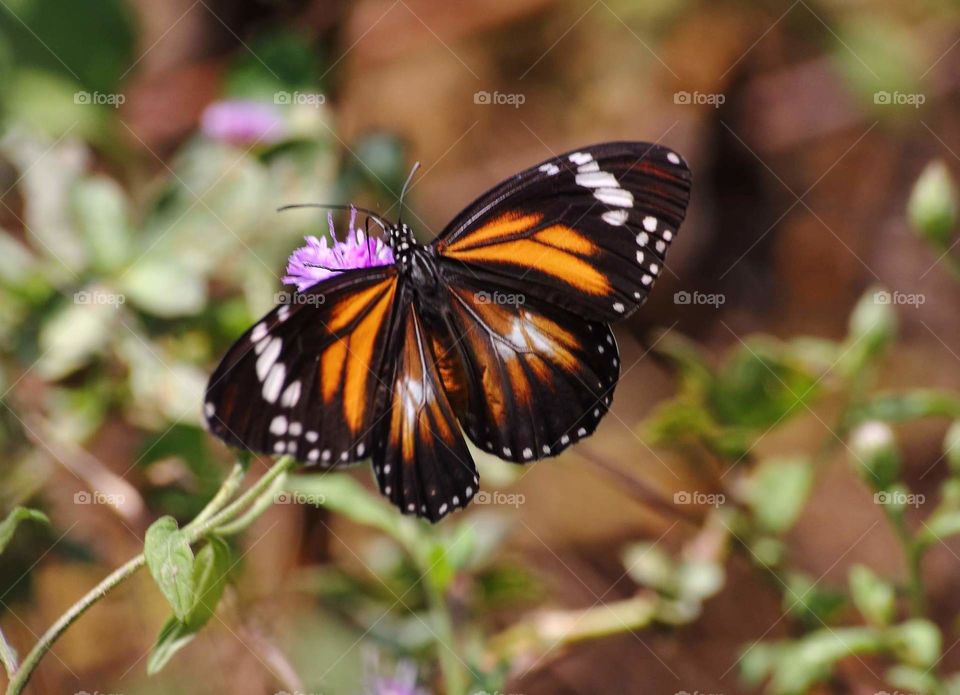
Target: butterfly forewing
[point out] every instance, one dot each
(309, 379)
(421, 461)
(587, 230)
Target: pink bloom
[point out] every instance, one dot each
(318, 261)
(241, 122)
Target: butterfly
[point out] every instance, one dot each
(497, 331)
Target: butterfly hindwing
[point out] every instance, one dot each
(537, 377)
(421, 460)
(308, 379)
(587, 230)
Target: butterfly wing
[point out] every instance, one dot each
(310, 378)
(587, 230)
(421, 460)
(537, 376)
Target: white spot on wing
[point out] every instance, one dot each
(580, 157)
(615, 217)
(597, 179)
(614, 196)
(258, 333)
(650, 223)
(269, 356)
(291, 395)
(278, 425)
(274, 382)
(673, 158)
(549, 169)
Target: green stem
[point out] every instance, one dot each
(450, 666)
(43, 645)
(913, 550)
(223, 495)
(8, 657)
(213, 516)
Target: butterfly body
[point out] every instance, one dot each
(497, 332)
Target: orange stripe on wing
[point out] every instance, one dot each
(496, 230)
(362, 343)
(557, 251)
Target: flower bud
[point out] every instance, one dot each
(933, 205)
(875, 451)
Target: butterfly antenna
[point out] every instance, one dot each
(382, 223)
(406, 185)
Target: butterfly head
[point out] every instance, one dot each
(401, 240)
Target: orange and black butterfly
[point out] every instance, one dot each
(497, 330)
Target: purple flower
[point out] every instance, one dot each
(402, 682)
(241, 122)
(318, 261)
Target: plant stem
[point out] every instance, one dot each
(215, 514)
(450, 666)
(913, 550)
(19, 680)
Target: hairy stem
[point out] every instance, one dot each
(216, 514)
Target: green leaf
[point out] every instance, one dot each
(103, 218)
(932, 208)
(812, 658)
(779, 490)
(808, 603)
(174, 636)
(210, 570)
(872, 327)
(344, 495)
(9, 525)
(873, 596)
(909, 405)
(951, 447)
(209, 579)
(761, 385)
(163, 287)
(171, 563)
(916, 643)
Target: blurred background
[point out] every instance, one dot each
(771, 503)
